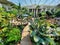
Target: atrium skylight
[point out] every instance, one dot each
(36, 2)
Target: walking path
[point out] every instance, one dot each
(25, 40)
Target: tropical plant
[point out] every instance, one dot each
(42, 14)
(41, 32)
(57, 14)
(8, 34)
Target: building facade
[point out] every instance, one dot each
(6, 7)
(36, 9)
(6, 4)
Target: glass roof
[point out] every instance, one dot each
(36, 2)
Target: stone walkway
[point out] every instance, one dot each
(25, 40)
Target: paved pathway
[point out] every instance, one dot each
(25, 36)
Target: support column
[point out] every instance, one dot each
(34, 12)
(37, 12)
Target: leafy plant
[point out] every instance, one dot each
(13, 35)
(8, 35)
(42, 14)
(57, 14)
(41, 32)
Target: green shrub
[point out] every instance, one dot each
(57, 14)
(41, 32)
(9, 35)
(12, 35)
